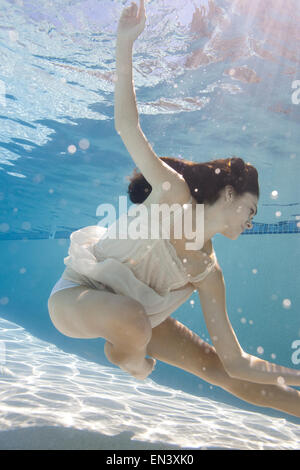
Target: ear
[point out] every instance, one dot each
(229, 193)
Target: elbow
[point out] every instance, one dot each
(232, 365)
(236, 367)
(123, 130)
(118, 126)
(232, 371)
(118, 130)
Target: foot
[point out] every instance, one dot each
(142, 370)
(136, 365)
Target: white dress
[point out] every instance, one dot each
(147, 270)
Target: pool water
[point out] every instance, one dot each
(227, 85)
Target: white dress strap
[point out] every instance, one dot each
(212, 263)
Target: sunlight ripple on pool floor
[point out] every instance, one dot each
(44, 386)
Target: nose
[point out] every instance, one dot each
(249, 225)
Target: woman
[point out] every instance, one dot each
(124, 290)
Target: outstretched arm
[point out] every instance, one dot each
(156, 172)
(237, 363)
(131, 25)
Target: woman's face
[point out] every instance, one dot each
(239, 215)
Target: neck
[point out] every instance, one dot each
(213, 221)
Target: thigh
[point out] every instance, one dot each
(174, 343)
(83, 312)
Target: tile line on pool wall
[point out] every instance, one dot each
(260, 228)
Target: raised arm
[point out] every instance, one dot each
(237, 363)
(131, 25)
(156, 172)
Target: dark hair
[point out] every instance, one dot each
(205, 180)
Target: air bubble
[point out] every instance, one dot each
(274, 194)
(166, 185)
(72, 149)
(26, 225)
(286, 303)
(260, 350)
(280, 381)
(84, 144)
(38, 178)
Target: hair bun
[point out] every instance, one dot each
(237, 166)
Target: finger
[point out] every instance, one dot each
(134, 9)
(131, 9)
(127, 11)
(142, 9)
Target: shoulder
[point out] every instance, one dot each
(172, 191)
(214, 279)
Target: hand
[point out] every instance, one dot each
(213, 10)
(199, 22)
(132, 22)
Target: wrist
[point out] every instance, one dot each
(124, 43)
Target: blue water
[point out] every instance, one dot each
(202, 94)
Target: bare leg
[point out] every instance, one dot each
(80, 312)
(132, 361)
(175, 344)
